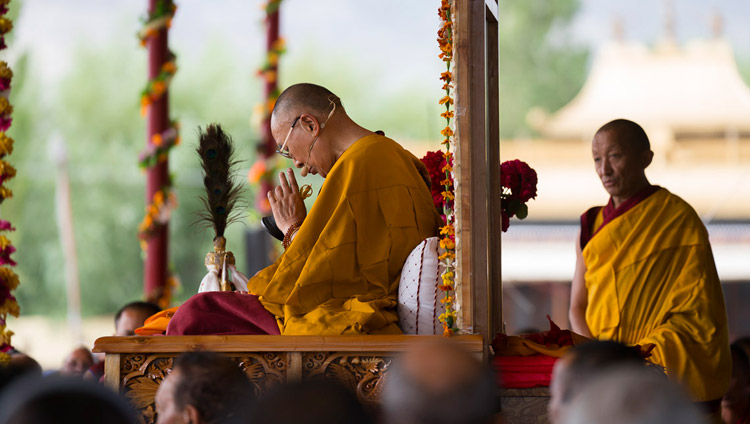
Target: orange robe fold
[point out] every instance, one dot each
(651, 278)
(340, 275)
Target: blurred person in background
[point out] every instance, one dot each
(60, 399)
(310, 402)
(77, 362)
(204, 388)
(582, 364)
(440, 383)
(21, 365)
(735, 406)
(127, 319)
(632, 395)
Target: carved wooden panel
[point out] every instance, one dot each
(362, 373)
(142, 374)
(525, 406)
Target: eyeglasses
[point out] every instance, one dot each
(283, 150)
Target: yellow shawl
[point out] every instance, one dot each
(651, 278)
(341, 273)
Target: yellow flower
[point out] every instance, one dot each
(6, 145)
(5, 25)
(256, 172)
(446, 99)
(447, 255)
(447, 168)
(169, 67)
(5, 71)
(5, 106)
(446, 76)
(273, 58)
(447, 132)
(6, 193)
(279, 44)
(158, 88)
(8, 278)
(177, 140)
(448, 244)
(447, 230)
(446, 182)
(10, 306)
(156, 140)
(159, 197)
(446, 300)
(448, 195)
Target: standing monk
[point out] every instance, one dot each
(645, 273)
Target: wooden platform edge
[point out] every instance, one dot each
(165, 344)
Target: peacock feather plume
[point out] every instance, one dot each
(222, 192)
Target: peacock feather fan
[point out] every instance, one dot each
(222, 192)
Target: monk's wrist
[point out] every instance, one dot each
(290, 233)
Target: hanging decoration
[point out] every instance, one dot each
(154, 158)
(447, 231)
(267, 166)
(8, 279)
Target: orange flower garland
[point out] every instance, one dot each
(8, 278)
(164, 201)
(267, 166)
(447, 232)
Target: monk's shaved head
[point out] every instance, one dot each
(305, 98)
(629, 132)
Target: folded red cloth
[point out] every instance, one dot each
(222, 313)
(521, 372)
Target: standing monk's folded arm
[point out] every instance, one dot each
(579, 295)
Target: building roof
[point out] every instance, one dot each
(696, 89)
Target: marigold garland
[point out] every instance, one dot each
(447, 232)
(158, 150)
(156, 87)
(160, 17)
(265, 168)
(8, 279)
(158, 212)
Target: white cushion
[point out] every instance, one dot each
(419, 303)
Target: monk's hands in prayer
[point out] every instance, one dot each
(286, 203)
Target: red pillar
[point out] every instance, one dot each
(271, 86)
(157, 118)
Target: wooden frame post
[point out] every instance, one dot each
(476, 38)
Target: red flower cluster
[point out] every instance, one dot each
(435, 163)
(518, 187)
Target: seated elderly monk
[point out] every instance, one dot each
(340, 271)
(645, 273)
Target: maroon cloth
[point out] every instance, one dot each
(522, 372)
(610, 212)
(222, 313)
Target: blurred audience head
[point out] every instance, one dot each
(77, 362)
(581, 364)
(59, 399)
(21, 365)
(310, 402)
(204, 388)
(439, 383)
(132, 316)
(631, 395)
(735, 405)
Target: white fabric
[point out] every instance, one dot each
(419, 303)
(212, 282)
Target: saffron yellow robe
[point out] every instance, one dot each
(651, 278)
(340, 275)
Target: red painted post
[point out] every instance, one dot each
(272, 36)
(157, 118)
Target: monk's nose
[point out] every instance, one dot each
(298, 164)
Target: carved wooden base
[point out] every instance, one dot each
(137, 365)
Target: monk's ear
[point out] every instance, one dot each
(192, 415)
(308, 123)
(648, 156)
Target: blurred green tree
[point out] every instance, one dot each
(540, 65)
